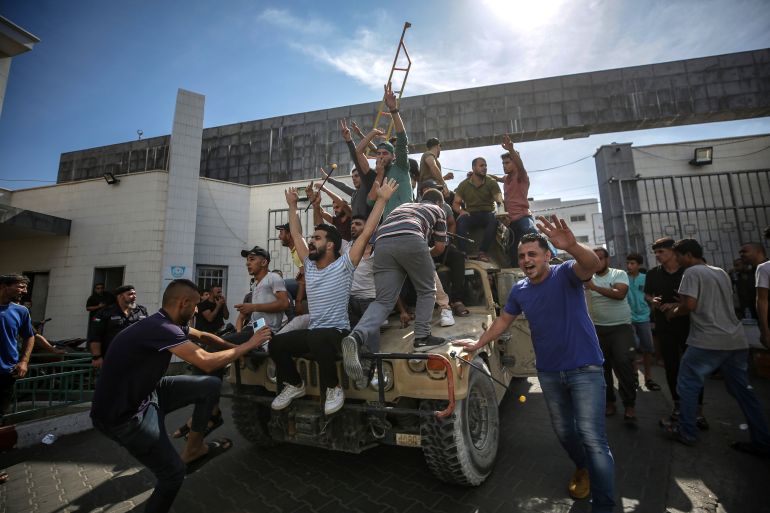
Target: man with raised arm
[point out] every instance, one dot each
(133, 395)
(568, 358)
(328, 277)
(392, 161)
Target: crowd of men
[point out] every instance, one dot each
(590, 323)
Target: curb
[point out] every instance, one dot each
(31, 433)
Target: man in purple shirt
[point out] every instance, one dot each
(133, 395)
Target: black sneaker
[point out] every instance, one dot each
(428, 342)
(351, 361)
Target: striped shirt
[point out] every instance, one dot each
(425, 220)
(327, 292)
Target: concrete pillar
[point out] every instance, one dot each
(182, 196)
(613, 163)
(5, 69)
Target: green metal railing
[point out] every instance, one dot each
(52, 382)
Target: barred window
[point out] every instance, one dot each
(211, 275)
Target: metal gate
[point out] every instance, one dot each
(720, 210)
(280, 258)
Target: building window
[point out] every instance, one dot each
(582, 238)
(577, 218)
(211, 275)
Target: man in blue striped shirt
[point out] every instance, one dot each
(405, 244)
(328, 276)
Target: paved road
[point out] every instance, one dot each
(87, 472)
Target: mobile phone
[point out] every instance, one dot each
(258, 324)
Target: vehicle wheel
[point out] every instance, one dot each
(251, 418)
(462, 448)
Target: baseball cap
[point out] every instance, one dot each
(386, 146)
(123, 288)
(283, 227)
(256, 250)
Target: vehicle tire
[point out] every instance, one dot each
(251, 418)
(463, 447)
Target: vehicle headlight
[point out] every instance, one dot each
(436, 369)
(416, 365)
(387, 370)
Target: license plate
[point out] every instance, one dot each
(408, 440)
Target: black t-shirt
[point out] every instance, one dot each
(137, 361)
(110, 320)
(95, 299)
(202, 324)
(660, 282)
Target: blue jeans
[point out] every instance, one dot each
(486, 220)
(698, 363)
(575, 400)
(518, 229)
(145, 438)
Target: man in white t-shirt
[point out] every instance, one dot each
(269, 297)
(753, 253)
(611, 316)
(716, 341)
(328, 278)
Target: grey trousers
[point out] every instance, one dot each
(395, 258)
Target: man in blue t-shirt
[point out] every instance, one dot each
(569, 361)
(133, 395)
(14, 321)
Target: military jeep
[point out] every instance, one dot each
(444, 401)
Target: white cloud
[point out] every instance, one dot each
(283, 19)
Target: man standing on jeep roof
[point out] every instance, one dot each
(569, 360)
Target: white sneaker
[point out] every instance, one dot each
(287, 395)
(447, 319)
(335, 398)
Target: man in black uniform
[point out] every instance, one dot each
(96, 301)
(111, 320)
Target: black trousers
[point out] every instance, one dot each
(323, 345)
(455, 260)
(672, 347)
(619, 348)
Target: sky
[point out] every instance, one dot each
(104, 70)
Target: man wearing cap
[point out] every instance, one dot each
(294, 286)
(113, 319)
(269, 297)
(480, 193)
(430, 167)
(392, 161)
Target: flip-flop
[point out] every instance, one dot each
(216, 421)
(216, 448)
(182, 431)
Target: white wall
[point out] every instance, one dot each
(565, 209)
(112, 225)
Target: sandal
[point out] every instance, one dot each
(651, 385)
(216, 421)
(216, 448)
(460, 310)
(182, 431)
(671, 430)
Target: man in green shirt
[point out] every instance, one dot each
(392, 162)
(480, 193)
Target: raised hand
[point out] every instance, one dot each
(387, 188)
(291, 196)
(344, 130)
(557, 231)
(390, 97)
(507, 143)
(449, 176)
(356, 128)
(376, 132)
